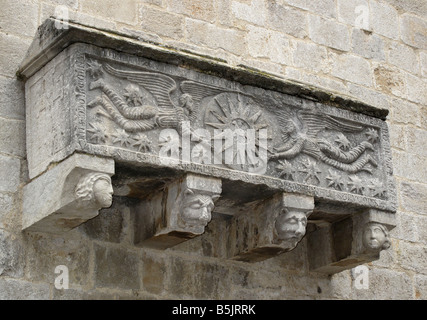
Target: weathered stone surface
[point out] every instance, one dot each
(153, 273)
(116, 267)
(413, 197)
(414, 6)
(197, 9)
(189, 278)
(329, 33)
(12, 255)
(253, 11)
(413, 31)
(211, 278)
(423, 62)
(352, 68)
(404, 57)
(384, 19)
(369, 46)
(269, 228)
(331, 249)
(150, 19)
(385, 284)
(122, 12)
(287, 19)
(47, 251)
(11, 133)
(355, 13)
(390, 80)
(311, 56)
(416, 86)
(264, 43)
(25, 17)
(179, 212)
(110, 225)
(413, 257)
(9, 173)
(11, 289)
(141, 135)
(420, 283)
(13, 51)
(69, 194)
(201, 33)
(12, 99)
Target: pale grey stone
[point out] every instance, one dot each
(416, 141)
(329, 33)
(150, 19)
(404, 57)
(420, 285)
(413, 31)
(355, 13)
(184, 213)
(416, 89)
(287, 19)
(413, 257)
(352, 68)
(12, 255)
(413, 197)
(369, 46)
(409, 166)
(12, 98)
(423, 60)
(12, 53)
(254, 12)
(12, 136)
(405, 112)
(9, 173)
(386, 284)
(25, 17)
(265, 43)
(415, 6)
(384, 19)
(68, 194)
(322, 7)
(311, 56)
(11, 289)
(205, 34)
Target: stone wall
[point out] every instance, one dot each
(372, 51)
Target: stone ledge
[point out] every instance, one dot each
(50, 41)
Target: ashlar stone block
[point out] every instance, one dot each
(67, 195)
(178, 213)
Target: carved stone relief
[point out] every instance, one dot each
(179, 212)
(69, 194)
(270, 227)
(282, 163)
(250, 130)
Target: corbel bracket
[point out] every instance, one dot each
(177, 213)
(68, 194)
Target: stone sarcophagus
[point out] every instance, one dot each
(190, 136)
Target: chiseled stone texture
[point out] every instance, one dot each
(389, 71)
